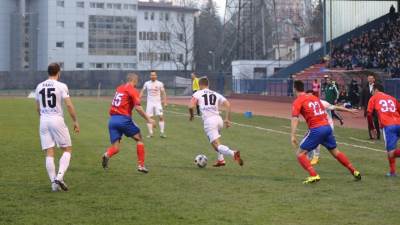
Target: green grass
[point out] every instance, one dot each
(267, 190)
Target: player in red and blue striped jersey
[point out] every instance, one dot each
(388, 109)
(120, 123)
(320, 132)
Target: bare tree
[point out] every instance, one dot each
(180, 39)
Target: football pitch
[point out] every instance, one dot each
(266, 190)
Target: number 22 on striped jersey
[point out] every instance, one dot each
(316, 108)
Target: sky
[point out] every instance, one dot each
(221, 7)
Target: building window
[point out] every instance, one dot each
(60, 44)
(129, 65)
(161, 16)
(112, 35)
(166, 16)
(80, 44)
(165, 57)
(79, 65)
(109, 5)
(113, 65)
(146, 15)
(152, 16)
(100, 5)
(60, 24)
(61, 65)
(99, 65)
(92, 5)
(180, 58)
(117, 6)
(165, 36)
(80, 4)
(60, 3)
(80, 24)
(180, 37)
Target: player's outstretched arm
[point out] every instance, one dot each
(294, 125)
(142, 113)
(344, 109)
(72, 113)
(227, 106)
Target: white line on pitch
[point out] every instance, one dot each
(361, 140)
(287, 133)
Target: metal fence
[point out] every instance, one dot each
(269, 86)
(103, 83)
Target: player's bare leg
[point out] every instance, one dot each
(112, 150)
(51, 168)
(63, 167)
(305, 163)
(225, 150)
(342, 158)
(161, 123)
(150, 127)
(140, 153)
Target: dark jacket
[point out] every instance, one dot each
(365, 96)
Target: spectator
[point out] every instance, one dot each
(365, 96)
(290, 85)
(343, 98)
(376, 48)
(354, 93)
(331, 96)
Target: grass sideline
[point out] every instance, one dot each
(267, 190)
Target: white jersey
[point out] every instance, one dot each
(328, 108)
(208, 102)
(154, 89)
(50, 95)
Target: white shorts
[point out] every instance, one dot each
(54, 131)
(154, 109)
(212, 127)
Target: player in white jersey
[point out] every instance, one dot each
(156, 99)
(209, 102)
(50, 95)
(314, 154)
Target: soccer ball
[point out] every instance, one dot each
(201, 161)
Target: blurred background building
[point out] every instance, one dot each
(95, 35)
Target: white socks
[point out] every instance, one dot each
(162, 125)
(224, 150)
(150, 127)
(317, 151)
(64, 163)
(220, 157)
(51, 168)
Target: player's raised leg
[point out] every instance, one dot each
(342, 158)
(226, 151)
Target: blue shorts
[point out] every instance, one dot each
(119, 125)
(391, 134)
(319, 136)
